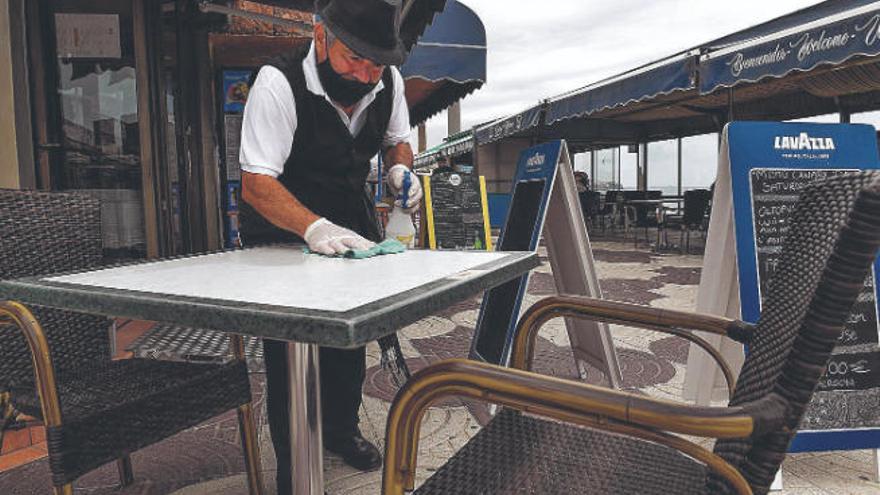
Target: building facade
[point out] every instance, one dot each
(135, 101)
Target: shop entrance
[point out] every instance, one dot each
(108, 120)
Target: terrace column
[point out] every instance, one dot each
(423, 137)
(642, 166)
(453, 119)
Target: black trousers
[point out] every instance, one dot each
(342, 378)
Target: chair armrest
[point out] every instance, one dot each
(569, 401)
(19, 315)
(662, 320)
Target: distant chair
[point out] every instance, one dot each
(609, 209)
(696, 209)
(96, 410)
(590, 205)
(642, 216)
(567, 437)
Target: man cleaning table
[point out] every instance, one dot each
(312, 122)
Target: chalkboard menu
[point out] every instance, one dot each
(457, 207)
(855, 363)
(765, 166)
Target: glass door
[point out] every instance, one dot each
(92, 83)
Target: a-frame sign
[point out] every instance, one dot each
(544, 199)
(762, 167)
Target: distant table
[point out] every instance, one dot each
(279, 293)
(649, 203)
(653, 202)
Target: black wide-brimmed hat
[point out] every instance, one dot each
(371, 28)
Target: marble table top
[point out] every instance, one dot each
(279, 292)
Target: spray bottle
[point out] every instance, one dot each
(400, 226)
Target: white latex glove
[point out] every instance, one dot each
(325, 237)
(395, 184)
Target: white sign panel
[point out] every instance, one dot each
(88, 36)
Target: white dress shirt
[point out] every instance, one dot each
(269, 121)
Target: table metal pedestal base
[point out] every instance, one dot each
(306, 449)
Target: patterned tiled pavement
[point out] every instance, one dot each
(207, 460)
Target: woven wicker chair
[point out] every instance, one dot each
(610, 209)
(642, 216)
(622, 443)
(696, 206)
(96, 410)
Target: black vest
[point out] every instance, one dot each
(327, 167)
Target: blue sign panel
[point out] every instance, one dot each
(532, 185)
(831, 43)
(770, 163)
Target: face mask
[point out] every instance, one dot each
(344, 91)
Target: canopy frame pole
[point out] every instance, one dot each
(679, 165)
(730, 105)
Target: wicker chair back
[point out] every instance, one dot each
(610, 204)
(696, 205)
(834, 237)
(590, 203)
(41, 233)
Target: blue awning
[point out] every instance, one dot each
(510, 126)
(659, 78)
(453, 146)
(666, 76)
(452, 48)
(447, 63)
(829, 33)
(671, 97)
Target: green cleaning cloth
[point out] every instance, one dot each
(388, 246)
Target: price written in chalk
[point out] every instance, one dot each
(775, 193)
(850, 372)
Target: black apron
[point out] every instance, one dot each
(327, 171)
(327, 168)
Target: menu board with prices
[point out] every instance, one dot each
(854, 363)
(458, 211)
(765, 166)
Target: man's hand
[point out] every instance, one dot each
(395, 181)
(325, 237)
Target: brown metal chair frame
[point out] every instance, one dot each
(84, 220)
(579, 403)
(13, 313)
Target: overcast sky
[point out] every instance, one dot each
(539, 49)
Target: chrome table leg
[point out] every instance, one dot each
(306, 446)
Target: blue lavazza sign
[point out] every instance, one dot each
(532, 185)
(770, 163)
(827, 44)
